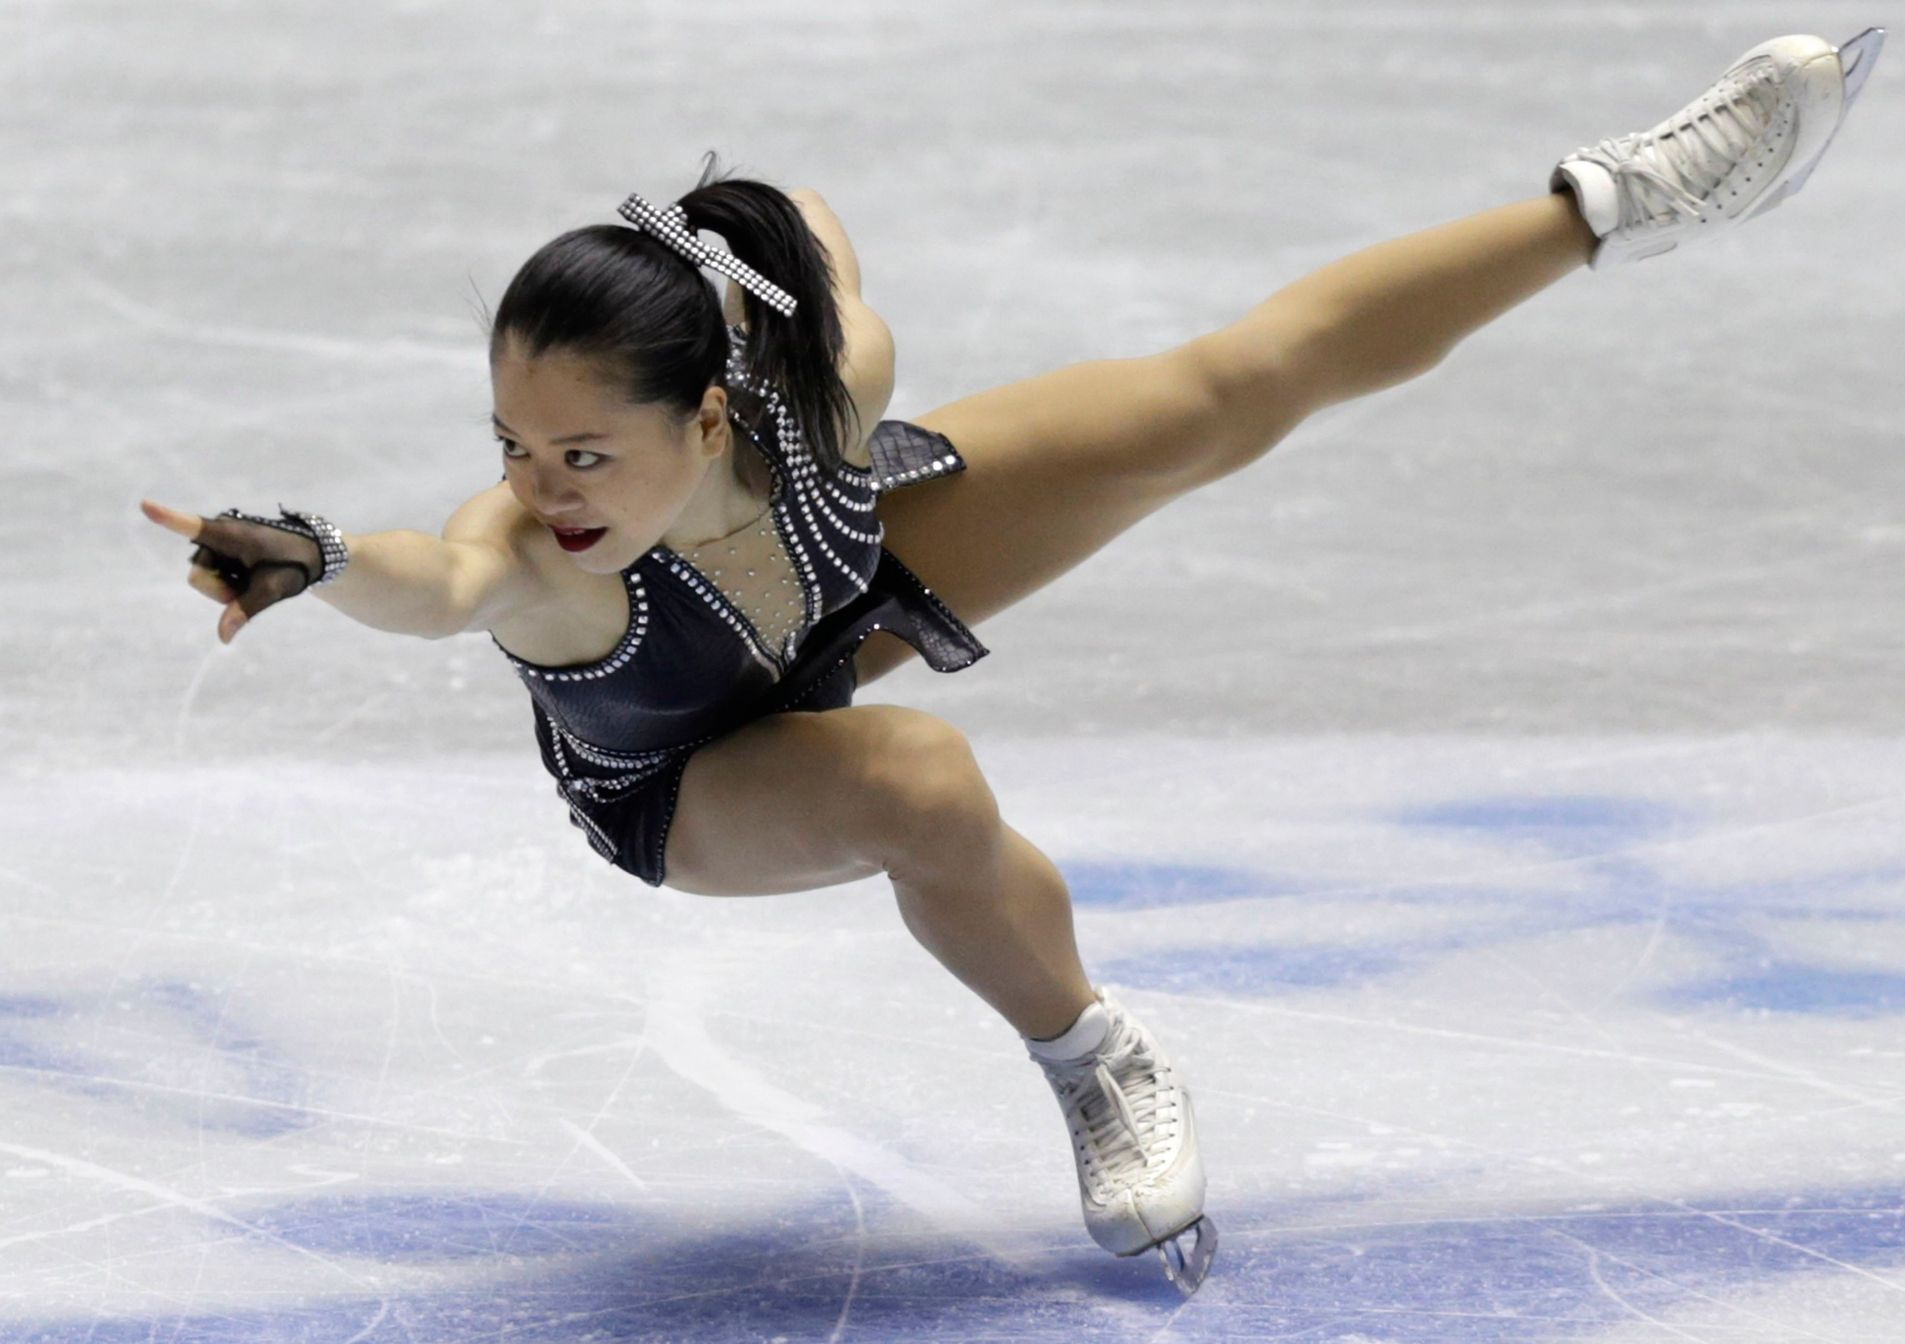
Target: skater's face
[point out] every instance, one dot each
(579, 455)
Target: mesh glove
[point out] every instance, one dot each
(252, 562)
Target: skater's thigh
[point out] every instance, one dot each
(1056, 466)
(801, 800)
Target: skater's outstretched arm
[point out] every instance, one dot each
(409, 583)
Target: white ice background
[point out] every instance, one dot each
(1494, 799)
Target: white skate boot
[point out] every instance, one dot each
(1134, 1139)
(1735, 152)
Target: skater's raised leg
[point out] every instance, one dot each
(1380, 317)
(1059, 464)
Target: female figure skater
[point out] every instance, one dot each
(692, 538)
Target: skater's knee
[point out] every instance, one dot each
(1250, 377)
(932, 799)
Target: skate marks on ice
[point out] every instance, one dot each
(1654, 979)
(480, 1264)
(1589, 863)
(1491, 1042)
(178, 1052)
(1567, 1273)
(681, 998)
(471, 1263)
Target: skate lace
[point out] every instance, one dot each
(1121, 1106)
(1675, 166)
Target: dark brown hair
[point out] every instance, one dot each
(617, 295)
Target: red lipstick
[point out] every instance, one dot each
(576, 538)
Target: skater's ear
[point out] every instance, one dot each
(712, 421)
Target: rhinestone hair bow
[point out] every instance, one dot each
(671, 227)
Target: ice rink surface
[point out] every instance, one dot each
(1494, 799)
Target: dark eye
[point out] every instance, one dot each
(579, 466)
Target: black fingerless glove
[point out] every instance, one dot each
(284, 555)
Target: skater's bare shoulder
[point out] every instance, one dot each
(500, 570)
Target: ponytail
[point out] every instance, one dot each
(623, 297)
(799, 354)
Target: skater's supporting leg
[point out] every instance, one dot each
(996, 913)
(1060, 464)
(798, 801)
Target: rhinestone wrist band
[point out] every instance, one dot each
(321, 530)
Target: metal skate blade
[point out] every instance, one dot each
(1856, 59)
(1187, 1269)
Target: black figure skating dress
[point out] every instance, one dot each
(617, 733)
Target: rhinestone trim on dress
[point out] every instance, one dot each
(939, 466)
(718, 602)
(631, 641)
(789, 478)
(866, 505)
(570, 786)
(804, 475)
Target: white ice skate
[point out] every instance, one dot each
(1735, 152)
(1134, 1139)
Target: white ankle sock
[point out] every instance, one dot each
(1080, 1038)
(1595, 194)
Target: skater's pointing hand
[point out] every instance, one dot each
(244, 566)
